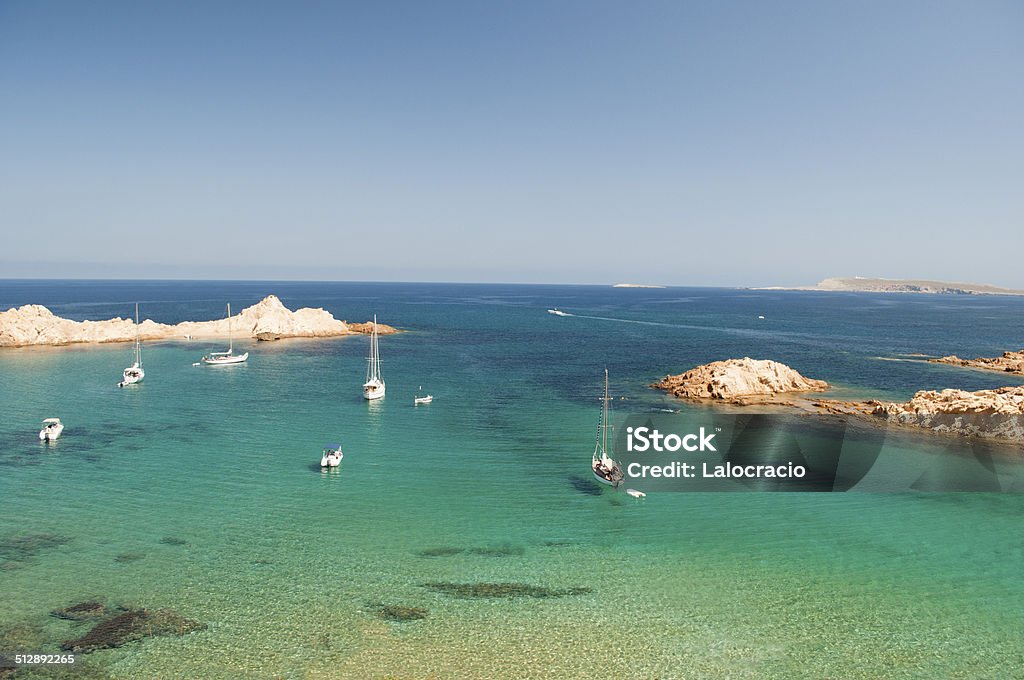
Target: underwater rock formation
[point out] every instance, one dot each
(132, 625)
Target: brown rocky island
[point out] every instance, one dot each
(995, 413)
(735, 380)
(268, 319)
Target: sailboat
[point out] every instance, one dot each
(606, 469)
(134, 373)
(374, 386)
(228, 357)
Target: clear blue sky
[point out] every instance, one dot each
(718, 143)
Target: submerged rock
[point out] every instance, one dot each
(124, 558)
(400, 614)
(83, 611)
(17, 550)
(173, 540)
(500, 590)
(441, 551)
(499, 551)
(132, 625)
(734, 379)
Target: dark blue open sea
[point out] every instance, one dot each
(200, 491)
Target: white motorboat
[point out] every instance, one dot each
(228, 357)
(52, 427)
(421, 398)
(636, 494)
(558, 312)
(134, 373)
(332, 456)
(606, 469)
(374, 386)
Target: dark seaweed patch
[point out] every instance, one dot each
(401, 614)
(83, 611)
(173, 540)
(16, 550)
(441, 551)
(130, 626)
(501, 590)
(499, 551)
(124, 558)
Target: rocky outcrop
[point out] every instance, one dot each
(1009, 362)
(367, 328)
(986, 413)
(268, 319)
(734, 379)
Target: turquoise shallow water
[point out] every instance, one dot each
(287, 565)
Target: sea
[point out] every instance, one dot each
(466, 538)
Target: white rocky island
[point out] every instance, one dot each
(268, 319)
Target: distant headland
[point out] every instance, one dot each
(635, 285)
(268, 319)
(859, 284)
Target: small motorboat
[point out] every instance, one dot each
(558, 312)
(332, 456)
(421, 398)
(636, 494)
(52, 427)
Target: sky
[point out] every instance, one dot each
(681, 143)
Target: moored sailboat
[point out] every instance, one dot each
(134, 373)
(606, 469)
(228, 357)
(374, 386)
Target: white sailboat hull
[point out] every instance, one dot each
(374, 390)
(422, 400)
(132, 376)
(217, 359)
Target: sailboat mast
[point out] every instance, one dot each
(138, 338)
(604, 418)
(231, 346)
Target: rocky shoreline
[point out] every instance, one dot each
(268, 319)
(997, 413)
(1009, 362)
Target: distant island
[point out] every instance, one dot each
(859, 284)
(635, 285)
